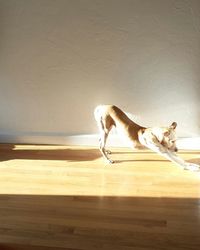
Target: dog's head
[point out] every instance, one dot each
(169, 137)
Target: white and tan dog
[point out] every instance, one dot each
(161, 140)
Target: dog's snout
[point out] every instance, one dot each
(176, 149)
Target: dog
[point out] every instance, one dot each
(161, 140)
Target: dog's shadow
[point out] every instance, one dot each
(194, 160)
(11, 152)
(151, 152)
(139, 160)
(148, 152)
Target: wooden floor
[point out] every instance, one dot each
(60, 197)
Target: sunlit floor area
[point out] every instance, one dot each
(63, 197)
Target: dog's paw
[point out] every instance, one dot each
(110, 161)
(192, 167)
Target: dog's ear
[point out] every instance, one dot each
(173, 125)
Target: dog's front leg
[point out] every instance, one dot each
(158, 148)
(179, 161)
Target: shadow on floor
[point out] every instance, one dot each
(181, 152)
(140, 160)
(8, 152)
(194, 160)
(91, 222)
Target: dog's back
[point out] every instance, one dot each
(110, 115)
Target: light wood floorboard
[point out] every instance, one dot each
(62, 197)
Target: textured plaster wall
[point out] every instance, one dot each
(60, 58)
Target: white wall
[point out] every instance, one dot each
(60, 58)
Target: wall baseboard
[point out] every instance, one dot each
(85, 140)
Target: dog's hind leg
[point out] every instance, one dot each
(102, 141)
